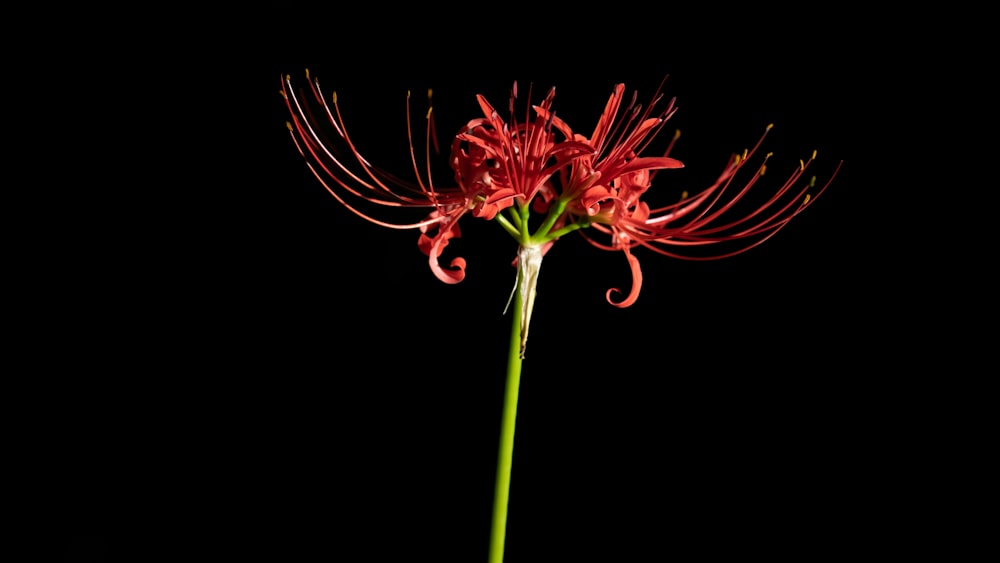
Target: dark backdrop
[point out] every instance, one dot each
(279, 379)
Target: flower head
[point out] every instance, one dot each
(367, 190)
(540, 180)
(512, 161)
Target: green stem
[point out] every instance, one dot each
(505, 459)
(568, 229)
(554, 212)
(507, 226)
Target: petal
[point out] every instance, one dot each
(608, 117)
(450, 276)
(650, 163)
(434, 245)
(456, 273)
(636, 283)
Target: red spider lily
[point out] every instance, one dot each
(495, 164)
(514, 162)
(715, 223)
(504, 169)
(603, 190)
(362, 187)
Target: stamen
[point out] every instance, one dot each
(432, 127)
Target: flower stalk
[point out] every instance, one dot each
(505, 458)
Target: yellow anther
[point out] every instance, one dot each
(288, 77)
(744, 154)
(307, 73)
(684, 194)
(283, 94)
(677, 134)
(763, 168)
(802, 165)
(812, 182)
(289, 125)
(429, 111)
(407, 94)
(814, 155)
(806, 200)
(769, 126)
(334, 97)
(430, 92)
(768, 155)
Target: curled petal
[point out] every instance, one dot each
(434, 245)
(456, 271)
(633, 263)
(592, 197)
(435, 235)
(504, 194)
(543, 198)
(455, 274)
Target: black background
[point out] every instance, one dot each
(257, 373)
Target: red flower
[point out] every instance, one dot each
(512, 162)
(604, 190)
(369, 191)
(504, 170)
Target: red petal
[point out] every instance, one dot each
(454, 275)
(636, 283)
(650, 163)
